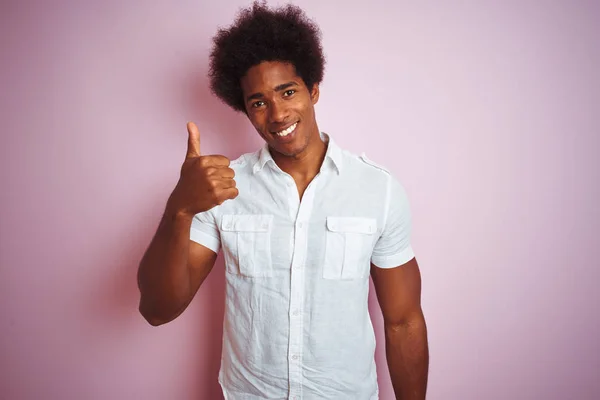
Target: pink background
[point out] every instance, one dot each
(488, 112)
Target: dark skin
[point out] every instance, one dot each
(277, 98)
(174, 267)
(399, 295)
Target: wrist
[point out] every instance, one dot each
(175, 211)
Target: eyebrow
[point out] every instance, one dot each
(278, 88)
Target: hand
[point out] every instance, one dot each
(205, 181)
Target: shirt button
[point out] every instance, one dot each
(300, 224)
(294, 357)
(296, 312)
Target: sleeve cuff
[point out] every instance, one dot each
(394, 260)
(205, 239)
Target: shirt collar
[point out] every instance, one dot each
(334, 153)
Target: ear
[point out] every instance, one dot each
(314, 93)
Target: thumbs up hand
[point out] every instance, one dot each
(205, 181)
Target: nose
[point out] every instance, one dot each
(277, 112)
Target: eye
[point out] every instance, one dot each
(289, 92)
(257, 104)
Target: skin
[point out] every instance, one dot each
(407, 353)
(174, 267)
(276, 98)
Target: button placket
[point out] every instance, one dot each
(300, 244)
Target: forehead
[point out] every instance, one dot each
(268, 75)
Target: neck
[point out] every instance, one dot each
(306, 165)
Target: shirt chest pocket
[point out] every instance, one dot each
(247, 244)
(349, 245)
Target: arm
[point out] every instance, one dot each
(399, 295)
(172, 269)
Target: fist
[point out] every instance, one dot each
(205, 181)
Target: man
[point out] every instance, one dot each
(302, 224)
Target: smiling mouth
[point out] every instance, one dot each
(287, 131)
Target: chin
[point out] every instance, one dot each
(292, 149)
(287, 151)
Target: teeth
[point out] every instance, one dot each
(287, 131)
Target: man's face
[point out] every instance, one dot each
(280, 106)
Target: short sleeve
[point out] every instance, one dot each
(393, 248)
(205, 231)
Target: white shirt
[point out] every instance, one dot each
(297, 324)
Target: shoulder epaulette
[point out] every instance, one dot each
(364, 158)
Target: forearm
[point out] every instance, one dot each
(163, 275)
(408, 358)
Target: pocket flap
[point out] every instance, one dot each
(352, 224)
(246, 223)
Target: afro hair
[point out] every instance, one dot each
(260, 34)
